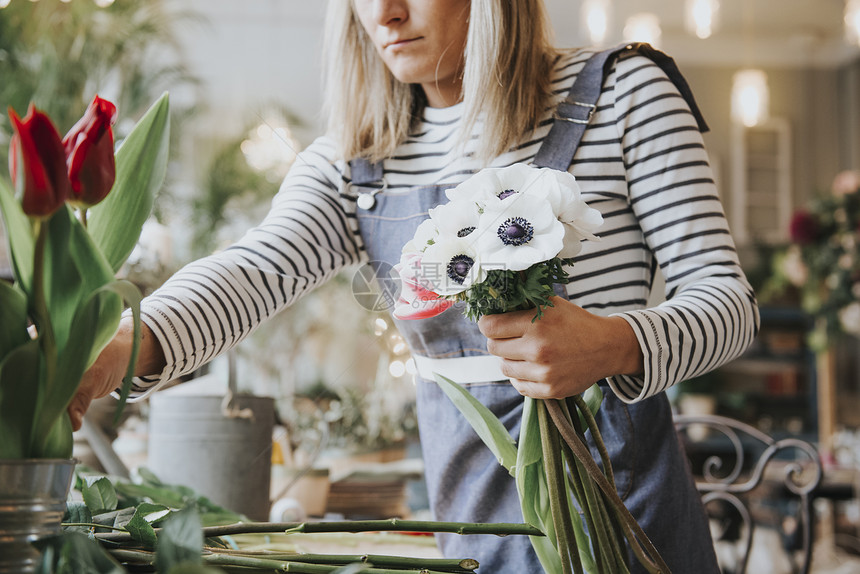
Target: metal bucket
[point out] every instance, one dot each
(227, 459)
(33, 496)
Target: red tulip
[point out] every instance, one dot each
(89, 153)
(416, 301)
(37, 163)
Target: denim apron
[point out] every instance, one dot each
(465, 482)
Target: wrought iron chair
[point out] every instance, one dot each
(733, 459)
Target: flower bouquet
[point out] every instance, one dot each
(73, 218)
(823, 261)
(501, 244)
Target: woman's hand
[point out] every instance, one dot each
(562, 353)
(106, 374)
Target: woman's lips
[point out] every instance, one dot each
(400, 43)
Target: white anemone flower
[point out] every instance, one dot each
(518, 232)
(452, 265)
(493, 183)
(454, 219)
(562, 191)
(425, 235)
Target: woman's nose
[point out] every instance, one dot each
(388, 12)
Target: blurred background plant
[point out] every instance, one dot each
(821, 265)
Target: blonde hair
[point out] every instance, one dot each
(506, 80)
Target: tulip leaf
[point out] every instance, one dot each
(74, 269)
(59, 442)
(82, 348)
(13, 309)
(18, 226)
(141, 164)
(132, 296)
(483, 421)
(19, 392)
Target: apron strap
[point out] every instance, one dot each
(365, 173)
(574, 113)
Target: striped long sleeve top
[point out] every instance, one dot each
(641, 162)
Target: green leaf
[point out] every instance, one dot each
(77, 512)
(18, 226)
(74, 553)
(80, 555)
(13, 309)
(141, 163)
(19, 400)
(141, 530)
(131, 294)
(483, 421)
(180, 541)
(99, 494)
(59, 443)
(84, 338)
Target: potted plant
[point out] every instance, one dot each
(73, 218)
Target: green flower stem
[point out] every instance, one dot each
(390, 525)
(93, 525)
(269, 564)
(44, 328)
(397, 525)
(553, 467)
(639, 541)
(598, 438)
(604, 549)
(616, 532)
(453, 565)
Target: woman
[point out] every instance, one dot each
(421, 94)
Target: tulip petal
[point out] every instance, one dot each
(90, 154)
(37, 163)
(415, 300)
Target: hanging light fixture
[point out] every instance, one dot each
(594, 14)
(852, 21)
(643, 27)
(701, 17)
(750, 97)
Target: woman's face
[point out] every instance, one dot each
(420, 41)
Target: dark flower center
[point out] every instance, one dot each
(515, 231)
(507, 193)
(465, 231)
(458, 268)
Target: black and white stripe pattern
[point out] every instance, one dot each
(642, 163)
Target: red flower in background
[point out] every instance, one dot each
(804, 228)
(90, 155)
(416, 301)
(37, 163)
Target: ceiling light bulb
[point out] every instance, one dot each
(595, 15)
(643, 27)
(750, 97)
(701, 17)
